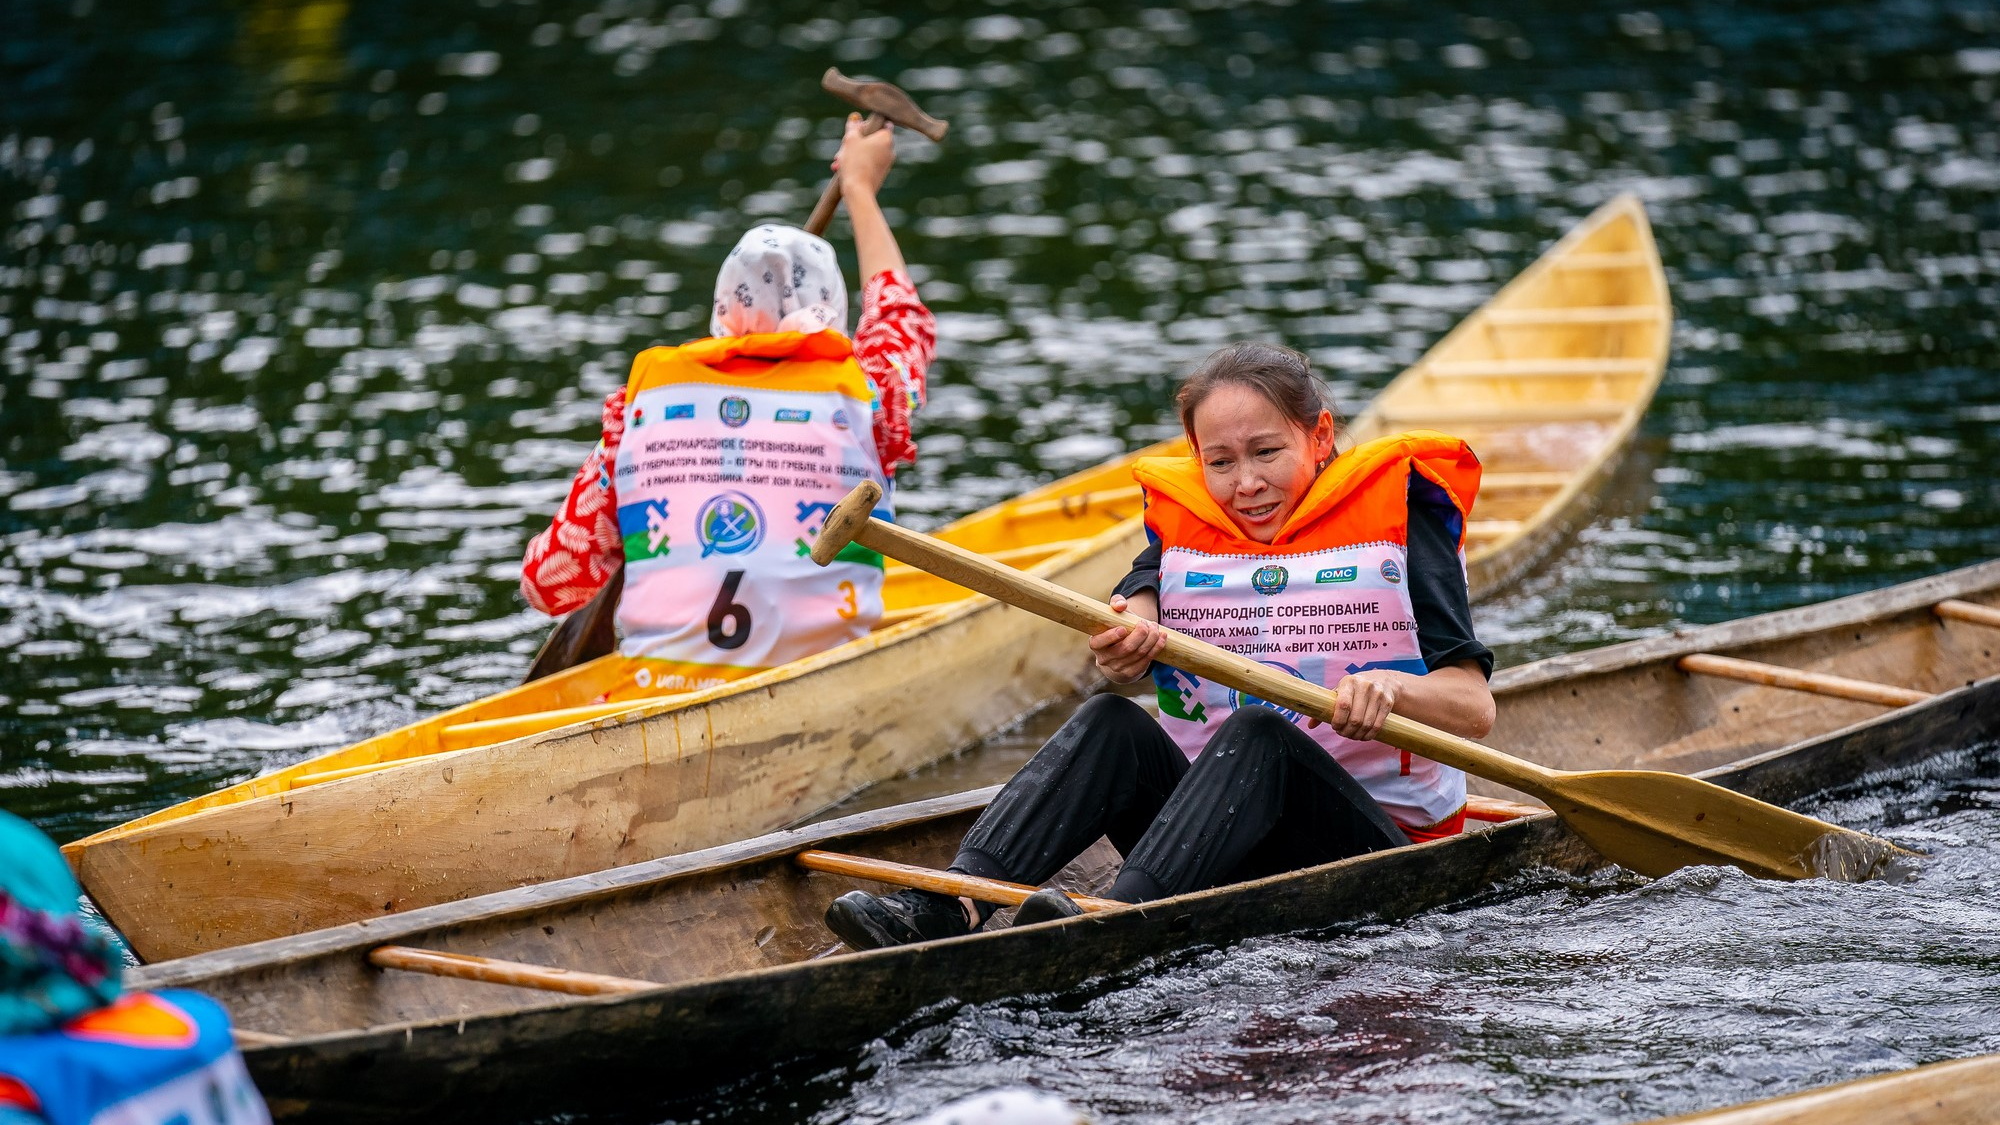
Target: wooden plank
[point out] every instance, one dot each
(1605, 260)
(1587, 367)
(1069, 505)
(1433, 417)
(1035, 552)
(1792, 679)
(1491, 529)
(1959, 1092)
(937, 882)
(1522, 482)
(489, 970)
(1952, 609)
(1584, 315)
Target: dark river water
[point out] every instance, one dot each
(306, 310)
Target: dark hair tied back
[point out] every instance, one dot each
(1281, 375)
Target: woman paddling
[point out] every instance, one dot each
(1346, 570)
(721, 457)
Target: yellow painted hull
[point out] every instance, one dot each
(545, 781)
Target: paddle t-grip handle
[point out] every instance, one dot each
(850, 522)
(886, 104)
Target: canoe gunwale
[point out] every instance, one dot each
(310, 1074)
(1867, 607)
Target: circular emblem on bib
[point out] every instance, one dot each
(735, 411)
(1269, 579)
(840, 421)
(1391, 573)
(729, 524)
(1244, 699)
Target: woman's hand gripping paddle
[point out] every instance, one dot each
(1651, 822)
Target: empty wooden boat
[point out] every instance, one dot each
(678, 973)
(1547, 381)
(544, 781)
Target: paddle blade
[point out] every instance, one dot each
(583, 636)
(1657, 823)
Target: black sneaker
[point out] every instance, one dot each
(866, 921)
(1046, 905)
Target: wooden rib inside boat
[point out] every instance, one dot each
(747, 975)
(551, 779)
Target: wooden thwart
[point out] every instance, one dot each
(937, 882)
(1430, 417)
(1569, 367)
(1606, 260)
(1491, 483)
(466, 966)
(1792, 679)
(1072, 505)
(1585, 314)
(1972, 612)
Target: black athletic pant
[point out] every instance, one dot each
(1262, 798)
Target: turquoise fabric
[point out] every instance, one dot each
(53, 967)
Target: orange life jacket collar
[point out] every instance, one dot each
(1443, 459)
(716, 351)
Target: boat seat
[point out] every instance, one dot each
(1605, 260)
(1522, 482)
(1584, 314)
(1537, 368)
(1490, 529)
(1409, 417)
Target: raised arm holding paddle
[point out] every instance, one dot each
(678, 524)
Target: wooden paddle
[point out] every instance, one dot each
(1652, 822)
(584, 635)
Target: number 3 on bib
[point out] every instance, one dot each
(727, 612)
(849, 607)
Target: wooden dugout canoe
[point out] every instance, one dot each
(1548, 380)
(733, 938)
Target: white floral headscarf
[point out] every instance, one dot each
(779, 279)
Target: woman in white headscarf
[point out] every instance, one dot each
(776, 279)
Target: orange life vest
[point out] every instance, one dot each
(1326, 598)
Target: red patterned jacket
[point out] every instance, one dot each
(894, 344)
